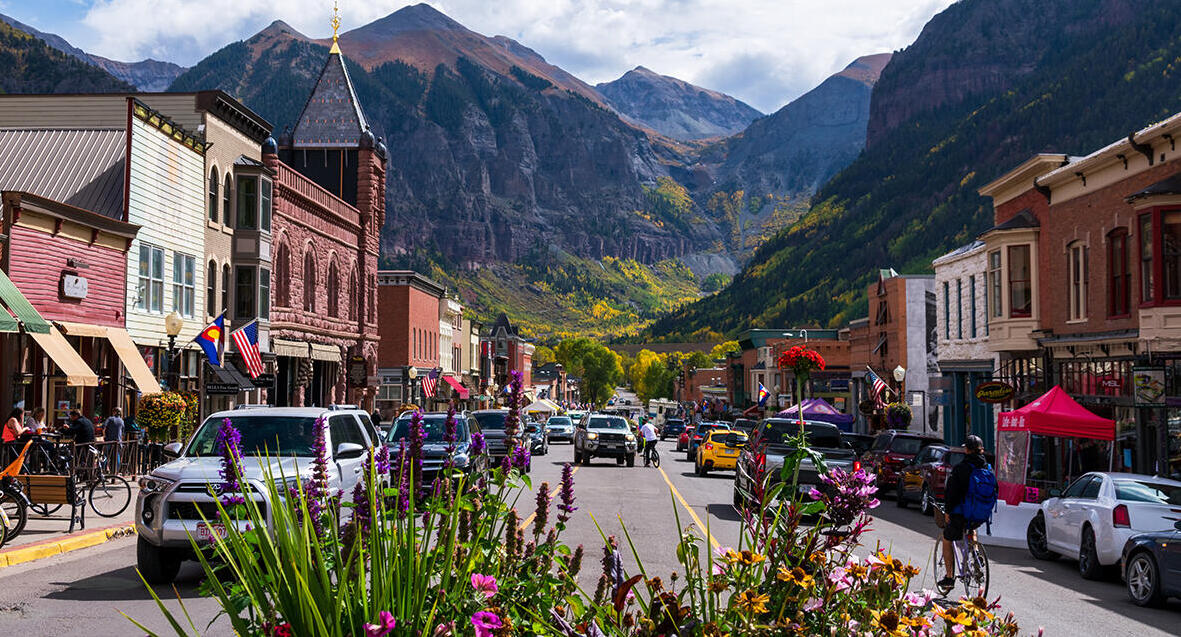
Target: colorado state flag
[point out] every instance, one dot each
(210, 339)
(763, 393)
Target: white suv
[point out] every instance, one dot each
(278, 440)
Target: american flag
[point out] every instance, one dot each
(430, 383)
(246, 340)
(877, 388)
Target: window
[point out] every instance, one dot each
(1146, 277)
(184, 277)
(248, 203)
(352, 301)
(282, 277)
(959, 308)
(264, 213)
(309, 283)
(264, 294)
(1171, 253)
(244, 293)
(214, 194)
(225, 288)
(344, 429)
(227, 200)
(151, 279)
(1020, 282)
(1076, 488)
(994, 283)
(211, 289)
(946, 311)
(333, 291)
(1077, 273)
(972, 303)
(1119, 285)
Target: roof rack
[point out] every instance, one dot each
(341, 407)
(252, 407)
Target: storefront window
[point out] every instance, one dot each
(1020, 282)
(1173, 420)
(1171, 254)
(994, 282)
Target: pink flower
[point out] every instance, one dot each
(840, 580)
(486, 622)
(485, 584)
(812, 604)
(386, 623)
(920, 599)
(446, 629)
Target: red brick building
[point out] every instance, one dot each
(329, 207)
(408, 304)
(509, 351)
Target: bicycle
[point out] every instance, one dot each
(109, 495)
(651, 455)
(971, 559)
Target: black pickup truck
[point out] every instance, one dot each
(770, 443)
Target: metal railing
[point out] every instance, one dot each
(126, 458)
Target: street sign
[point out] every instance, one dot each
(993, 391)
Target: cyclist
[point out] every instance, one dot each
(648, 433)
(955, 494)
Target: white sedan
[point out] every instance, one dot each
(1094, 517)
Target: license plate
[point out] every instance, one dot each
(729, 452)
(804, 488)
(209, 532)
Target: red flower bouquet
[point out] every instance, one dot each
(801, 361)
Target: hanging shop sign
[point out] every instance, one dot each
(358, 375)
(74, 286)
(993, 391)
(1149, 386)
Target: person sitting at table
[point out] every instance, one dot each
(13, 428)
(35, 420)
(80, 427)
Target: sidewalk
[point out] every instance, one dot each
(46, 536)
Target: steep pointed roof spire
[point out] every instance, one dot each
(335, 28)
(332, 117)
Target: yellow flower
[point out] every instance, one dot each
(858, 571)
(752, 602)
(892, 568)
(795, 576)
(954, 615)
(818, 558)
(978, 607)
(889, 623)
(745, 557)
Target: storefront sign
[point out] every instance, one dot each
(1111, 383)
(264, 380)
(1149, 384)
(221, 388)
(358, 376)
(993, 391)
(74, 286)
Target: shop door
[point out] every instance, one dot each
(64, 398)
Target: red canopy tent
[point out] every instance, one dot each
(1056, 414)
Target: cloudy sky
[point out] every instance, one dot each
(765, 52)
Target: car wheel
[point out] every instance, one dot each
(900, 497)
(1143, 577)
(1035, 539)
(631, 461)
(158, 565)
(704, 471)
(927, 504)
(577, 456)
(1088, 556)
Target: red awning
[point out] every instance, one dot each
(1055, 413)
(458, 386)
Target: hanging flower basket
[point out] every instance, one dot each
(162, 415)
(898, 415)
(801, 361)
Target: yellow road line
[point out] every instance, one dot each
(692, 513)
(529, 520)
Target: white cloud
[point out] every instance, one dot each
(765, 52)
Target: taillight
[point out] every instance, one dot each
(1120, 517)
(709, 446)
(893, 459)
(856, 465)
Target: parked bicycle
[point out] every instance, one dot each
(108, 495)
(14, 506)
(971, 560)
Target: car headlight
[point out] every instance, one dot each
(592, 435)
(459, 460)
(629, 438)
(152, 484)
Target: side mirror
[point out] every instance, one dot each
(1177, 525)
(1055, 493)
(348, 450)
(172, 450)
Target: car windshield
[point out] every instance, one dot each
(435, 426)
(823, 436)
(908, 445)
(607, 422)
(1144, 491)
(559, 421)
(674, 423)
(490, 419)
(261, 436)
(720, 436)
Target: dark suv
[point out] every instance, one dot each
(672, 428)
(435, 448)
(891, 451)
(491, 423)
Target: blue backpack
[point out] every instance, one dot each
(981, 496)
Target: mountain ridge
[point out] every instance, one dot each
(674, 107)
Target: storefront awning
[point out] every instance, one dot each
(457, 386)
(133, 361)
(290, 349)
(225, 380)
(1055, 413)
(20, 307)
(78, 373)
(326, 353)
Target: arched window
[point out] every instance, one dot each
(352, 296)
(282, 277)
(213, 195)
(227, 200)
(211, 284)
(225, 287)
(309, 282)
(333, 291)
(372, 310)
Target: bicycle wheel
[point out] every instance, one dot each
(16, 513)
(940, 569)
(110, 495)
(976, 571)
(655, 458)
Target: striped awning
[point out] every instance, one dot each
(20, 308)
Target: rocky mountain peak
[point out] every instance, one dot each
(674, 107)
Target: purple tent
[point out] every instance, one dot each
(819, 409)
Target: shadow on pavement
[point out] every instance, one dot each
(124, 584)
(723, 512)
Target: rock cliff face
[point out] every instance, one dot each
(146, 75)
(674, 107)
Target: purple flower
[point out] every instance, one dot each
(846, 495)
(417, 439)
(541, 513)
(383, 460)
(229, 441)
(478, 444)
(485, 622)
(484, 584)
(566, 494)
(316, 490)
(385, 624)
(361, 509)
(521, 457)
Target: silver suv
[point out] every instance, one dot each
(604, 435)
(278, 440)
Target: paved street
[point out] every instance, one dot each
(91, 587)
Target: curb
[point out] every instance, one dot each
(49, 548)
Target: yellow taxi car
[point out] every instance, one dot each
(719, 451)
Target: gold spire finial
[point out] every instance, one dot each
(335, 27)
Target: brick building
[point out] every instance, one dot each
(409, 306)
(509, 352)
(329, 206)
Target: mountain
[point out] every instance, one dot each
(32, 66)
(146, 75)
(950, 113)
(674, 107)
(495, 155)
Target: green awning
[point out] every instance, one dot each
(16, 303)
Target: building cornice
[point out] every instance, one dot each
(1022, 178)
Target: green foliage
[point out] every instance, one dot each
(32, 66)
(669, 202)
(651, 376)
(530, 80)
(543, 355)
(403, 80)
(700, 360)
(715, 282)
(600, 369)
(447, 99)
(721, 350)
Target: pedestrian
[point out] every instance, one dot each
(13, 428)
(113, 432)
(376, 417)
(80, 427)
(35, 420)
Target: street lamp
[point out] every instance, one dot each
(900, 377)
(173, 324)
(408, 374)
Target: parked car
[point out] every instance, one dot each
(720, 451)
(538, 439)
(762, 457)
(1095, 516)
(745, 425)
(491, 424)
(698, 435)
(277, 444)
(602, 435)
(673, 427)
(686, 435)
(925, 478)
(860, 443)
(560, 428)
(1151, 566)
(891, 451)
(434, 449)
